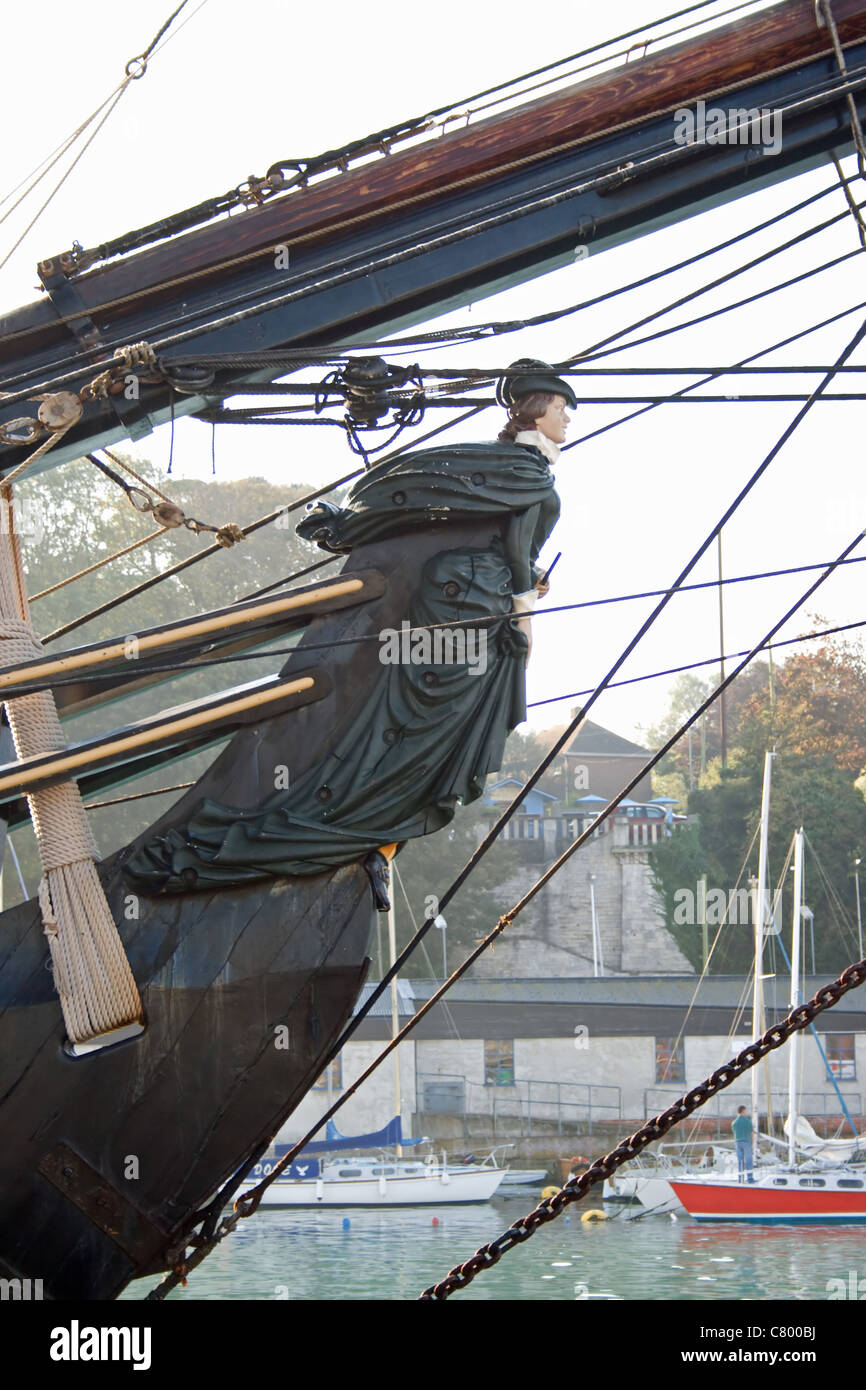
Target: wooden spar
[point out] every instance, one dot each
(224, 973)
(714, 63)
(85, 660)
(368, 252)
(216, 714)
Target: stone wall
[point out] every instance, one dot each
(553, 935)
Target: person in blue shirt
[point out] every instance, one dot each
(742, 1128)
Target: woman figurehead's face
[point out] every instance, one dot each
(553, 424)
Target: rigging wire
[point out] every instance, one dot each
(190, 664)
(492, 328)
(247, 1205)
(415, 248)
(695, 665)
(135, 69)
(381, 141)
(247, 531)
(508, 918)
(782, 342)
(509, 811)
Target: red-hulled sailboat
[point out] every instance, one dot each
(810, 1193)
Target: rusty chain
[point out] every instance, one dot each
(656, 1128)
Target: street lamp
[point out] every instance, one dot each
(859, 918)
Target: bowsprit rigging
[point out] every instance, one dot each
(515, 193)
(257, 893)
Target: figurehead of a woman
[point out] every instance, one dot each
(537, 401)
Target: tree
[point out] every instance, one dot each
(428, 865)
(721, 842)
(819, 709)
(72, 516)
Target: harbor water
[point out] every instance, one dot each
(352, 1254)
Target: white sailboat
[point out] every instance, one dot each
(383, 1181)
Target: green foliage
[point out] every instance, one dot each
(73, 516)
(676, 863)
(427, 866)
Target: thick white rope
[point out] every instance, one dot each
(91, 973)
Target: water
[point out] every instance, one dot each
(394, 1254)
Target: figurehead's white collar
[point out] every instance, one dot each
(539, 441)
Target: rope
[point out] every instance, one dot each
(245, 531)
(48, 443)
(496, 327)
(246, 1206)
(91, 974)
(256, 190)
(853, 206)
(774, 347)
(137, 796)
(586, 185)
(824, 10)
(97, 564)
(133, 73)
(81, 153)
(167, 513)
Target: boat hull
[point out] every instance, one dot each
(425, 1189)
(764, 1201)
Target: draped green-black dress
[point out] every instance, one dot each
(429, 733)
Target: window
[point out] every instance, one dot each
(498, 1063)
(670, 1059)
(849, 1182)
(812, 1182)
(336, 1077)
(840, 1055)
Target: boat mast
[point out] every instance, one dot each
(796, 994)
(395, 1010)
(597, 957)
(760, 916)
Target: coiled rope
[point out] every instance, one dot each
(91, 973)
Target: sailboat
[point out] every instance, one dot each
(390, 1180)
(812, 1192)
(242, 948)
(330, 1172)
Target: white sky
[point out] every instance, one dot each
(241, 86)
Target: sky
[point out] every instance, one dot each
(237, 87)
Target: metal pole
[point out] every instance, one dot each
(395, 1014)
(760, 903)
(702, 918)
(723, 728)
(796, 994)
(859, 918)
(594, 925)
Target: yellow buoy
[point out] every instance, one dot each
(549, 1191)
(594, 1215)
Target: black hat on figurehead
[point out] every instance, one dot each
(534, 375)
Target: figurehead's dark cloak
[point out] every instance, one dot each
(430, 731)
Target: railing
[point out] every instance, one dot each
(527, 1100)
(723, 1107)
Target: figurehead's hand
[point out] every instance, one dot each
(542, 586)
